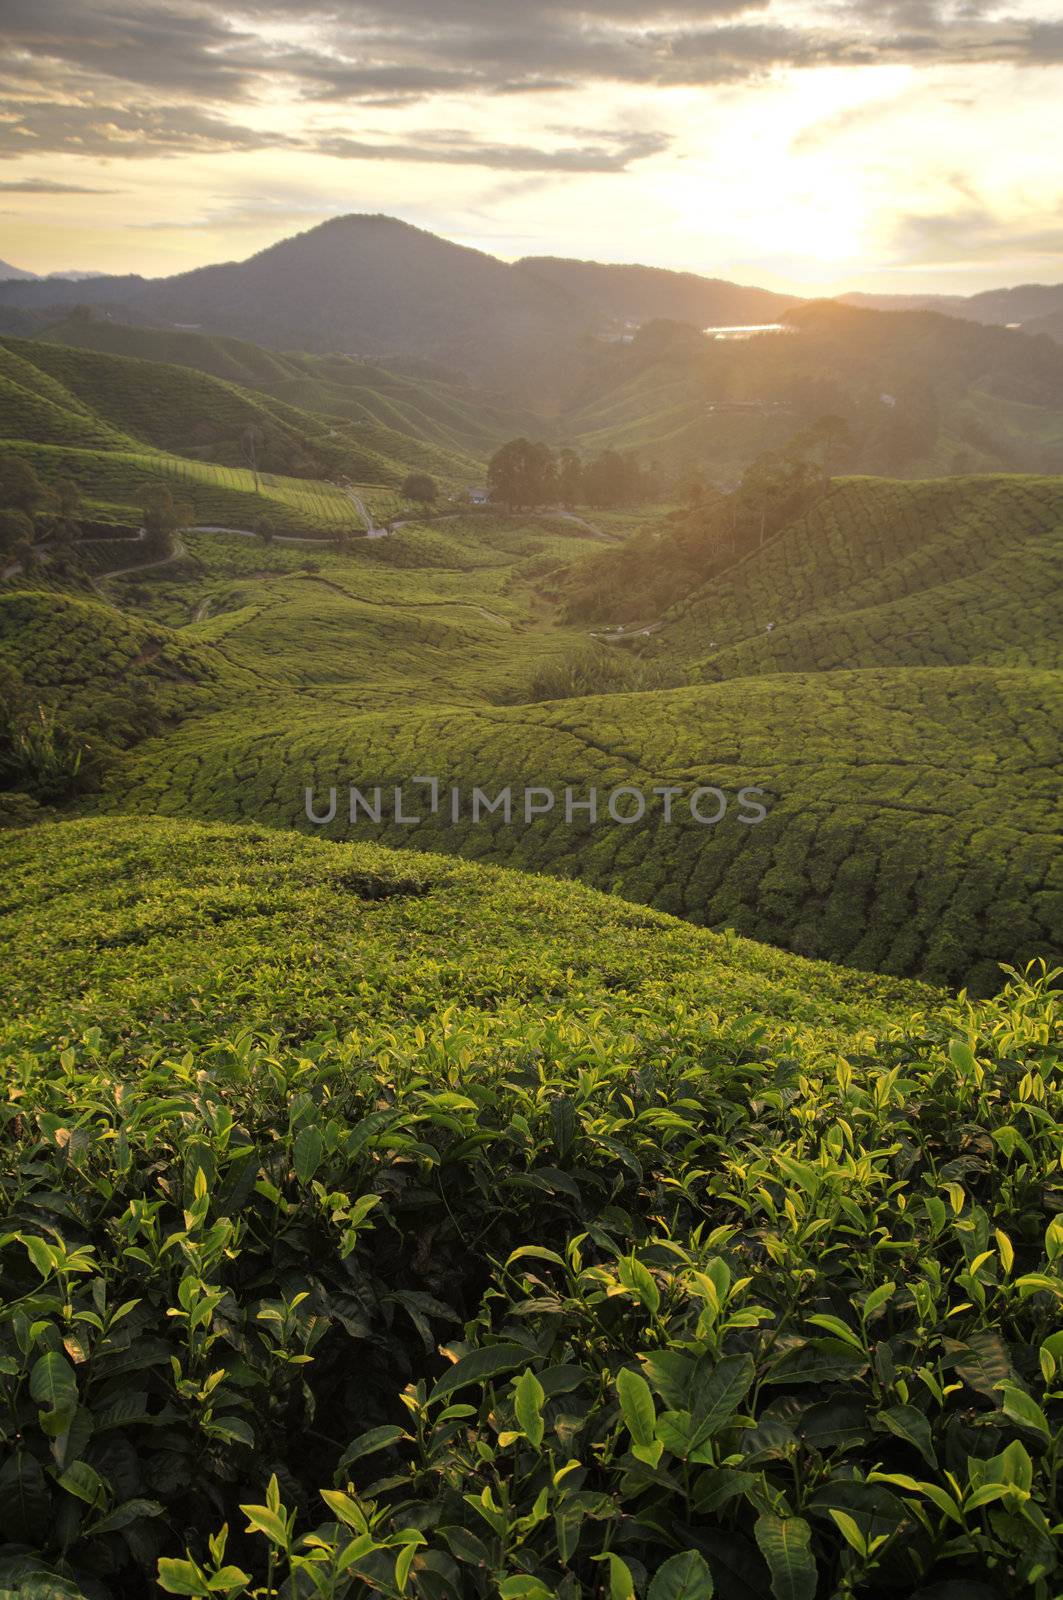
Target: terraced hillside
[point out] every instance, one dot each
(361, 1189)
(423, 409)
(912, 823)
(114, 482)
(959, 571)
(55, 395)
(901, 717)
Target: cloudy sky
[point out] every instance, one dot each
(880, 144)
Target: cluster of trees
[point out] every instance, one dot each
(524, 474)
(419, 486)
(711, 530)
(164, 517)
(30, 512)
(33, 514)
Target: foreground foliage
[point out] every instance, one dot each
(748, 1271)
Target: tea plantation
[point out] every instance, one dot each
(379, 1220)
(952, 571)
(378, 1224)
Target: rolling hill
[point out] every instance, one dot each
(921, 394)
(55, 393)
(635, 294)
(425, 411)
(900, 717)
(1025, 306)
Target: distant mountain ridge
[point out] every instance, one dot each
(1025, 306)
(14, 274)
(644, 293)
(378, 288)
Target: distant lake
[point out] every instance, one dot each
(747, 330)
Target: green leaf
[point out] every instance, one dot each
(985, 1363)
(373, 1439)
(343, 1508)
(81, 1480)
(128, 1512)
(1026, 1412)
(621, 1583)
(478, 1366)
(232, 1428)
(181, 1577)
(683, 1577)
(309, 1147)
(1012, 1467)
(716, 1399)
(40, 1253)
(528, 1397)
(785, 1544)
(522, 1586)
(228, 1578)
(636, 1403)
(264, 1519)
(835, 1325)
(931, 1491)
(850, 1531)
(633, 1275)
(52, 1381)
(819, 1361)
(909, 1424)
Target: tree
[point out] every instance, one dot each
(16, 529)
(20, 486)
(419, 486)
(569, 478)
(249, 444)
(163, 516)
(68, 495)
(522, 475)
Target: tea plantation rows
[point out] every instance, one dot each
(959, 570)
(377, 1224)
(119, 478)
(913, 819)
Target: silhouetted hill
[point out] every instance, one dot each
(1052, 325)
(1024, 306)
(921, 394)
(639, 294)
(362, 285)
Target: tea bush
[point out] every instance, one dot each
(380, 1225)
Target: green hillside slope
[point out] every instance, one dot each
(902, 715)
(922, 394)
(53, 394)
(913, 819)
(427, 410)
(116, 481)
(958, 571)
(167, 407)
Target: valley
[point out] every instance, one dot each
(551, 1205)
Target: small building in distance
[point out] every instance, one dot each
(478, 497)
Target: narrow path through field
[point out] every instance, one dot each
(371, 529)
(591, 527)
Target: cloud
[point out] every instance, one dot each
(120, 131)
(133, 77)
(47, 186)
(968, 234)
(605, 153)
